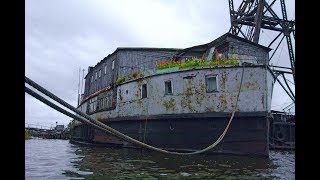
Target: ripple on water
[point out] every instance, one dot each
(58, 159)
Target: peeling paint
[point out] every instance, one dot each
(190, 96)
(171, 104)
(223, 103)
(249, 85)
(223, 80)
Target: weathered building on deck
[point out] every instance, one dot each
(175, 102)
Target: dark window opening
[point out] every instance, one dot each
(168, 87)
(144, 91)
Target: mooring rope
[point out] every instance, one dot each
(87, 119)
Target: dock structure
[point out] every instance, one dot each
(57, 133)
(282, 131)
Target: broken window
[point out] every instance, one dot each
(144, 91)
(211, 83)
(223, 50)
(168, 87)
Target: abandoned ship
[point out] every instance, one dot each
(182, 99)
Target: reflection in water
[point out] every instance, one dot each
(58, 159)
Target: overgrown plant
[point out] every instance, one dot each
(120, 80)
(168, 64)
(196, 62)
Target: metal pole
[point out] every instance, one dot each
(79, 86)
(82, 85)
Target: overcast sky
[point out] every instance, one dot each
(65, 35)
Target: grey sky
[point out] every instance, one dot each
(62, 36)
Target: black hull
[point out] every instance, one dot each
(247, 135)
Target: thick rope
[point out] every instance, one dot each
(108, 129)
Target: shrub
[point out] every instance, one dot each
(120, 80)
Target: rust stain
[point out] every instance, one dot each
(222, 103)
(249, 85)
(223, 80)
(171, 104)
(200, 93)
(188, 91)
(186, 102)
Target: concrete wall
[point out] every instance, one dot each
(190, 96)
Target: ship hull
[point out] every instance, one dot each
(247, 134)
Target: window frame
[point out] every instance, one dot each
(141, 94)
(166, 93)
(217, 84)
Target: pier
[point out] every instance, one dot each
(59, 132)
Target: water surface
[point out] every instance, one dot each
(59, 159)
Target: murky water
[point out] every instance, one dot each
(59, 159)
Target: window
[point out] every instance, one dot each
(92, 78)
(112, 64)
(96, 75)
(211, 83)
(92, 104)
(144, 91)
(167, 87)
(100, 73)
(101, 102)
(105, 100)
(105, 69)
